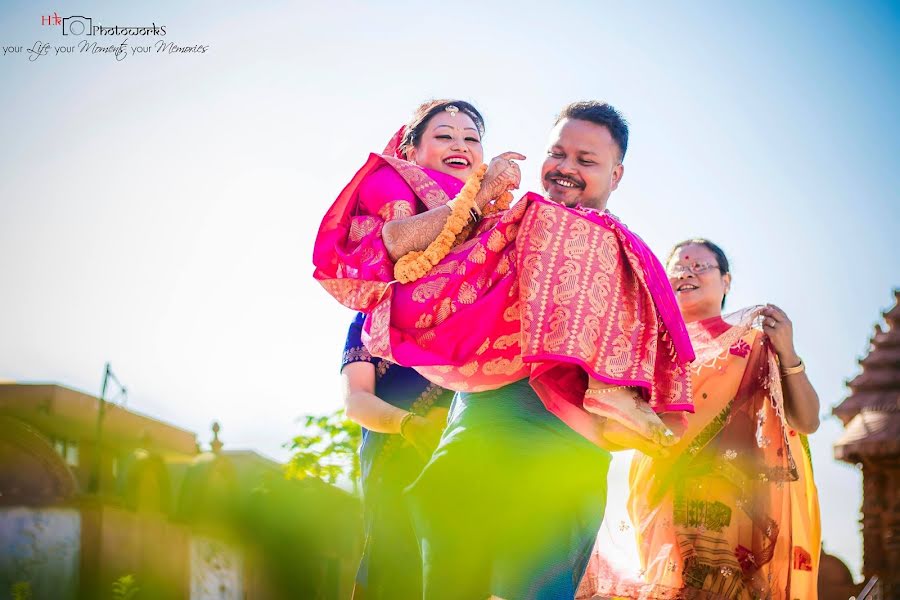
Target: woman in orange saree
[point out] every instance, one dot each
(733, 511)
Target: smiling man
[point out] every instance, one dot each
(584, 158)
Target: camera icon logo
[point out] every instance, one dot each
(77, 26)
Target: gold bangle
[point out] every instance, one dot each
(404, 420)
(785, 371)
(601, 391)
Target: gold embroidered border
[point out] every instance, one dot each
(429, 192)
(356, 354)
(697, 444)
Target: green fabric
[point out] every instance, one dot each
(511, 501)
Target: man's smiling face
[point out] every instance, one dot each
(583, 164)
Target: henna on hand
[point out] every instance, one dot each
(502, 175)
(402, 236)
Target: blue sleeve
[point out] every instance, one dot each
(354, 351)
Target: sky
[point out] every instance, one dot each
(158, 211)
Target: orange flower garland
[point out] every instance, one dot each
(416, 264)
(501, 203)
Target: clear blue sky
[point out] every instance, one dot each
(159, 211)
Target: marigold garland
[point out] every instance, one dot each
(416, 264)
(463, 235)
(490, 209)
(501, 203)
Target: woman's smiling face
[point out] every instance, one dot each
(697, 280)
(450, 144)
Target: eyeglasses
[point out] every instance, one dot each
(697, 268)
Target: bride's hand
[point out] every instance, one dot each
(502, 175)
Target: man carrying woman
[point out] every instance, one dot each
(555, 324)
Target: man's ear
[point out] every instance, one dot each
(617, 174)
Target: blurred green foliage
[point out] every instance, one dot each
(326, 449)
(125, 588)
(21, 590)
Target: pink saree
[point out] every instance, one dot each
(540, 291)
(545, 292)
(548, 292)
(351, 261)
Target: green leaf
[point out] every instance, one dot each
(21, 590)
(125, 588)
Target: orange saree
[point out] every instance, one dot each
(733, 512)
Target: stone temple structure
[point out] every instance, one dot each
(871, 440)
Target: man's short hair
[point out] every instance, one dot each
(603, 114)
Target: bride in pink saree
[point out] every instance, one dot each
(559, 294)
(350, 257)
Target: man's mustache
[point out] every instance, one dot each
(558, 175)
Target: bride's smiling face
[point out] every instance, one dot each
(450, 144)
